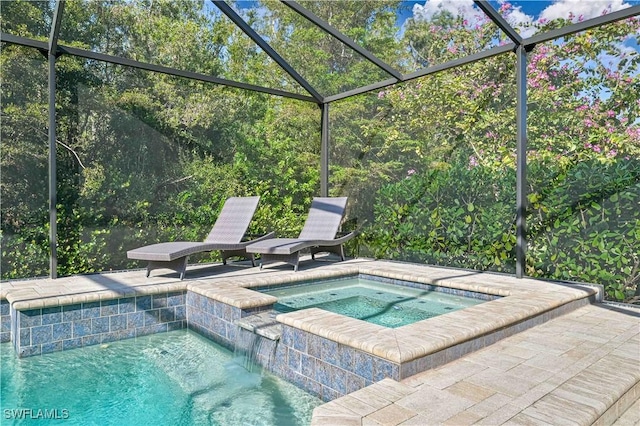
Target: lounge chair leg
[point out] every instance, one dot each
(184, 267)
(148, 269)
(253, 260)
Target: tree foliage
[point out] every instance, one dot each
(429, 164)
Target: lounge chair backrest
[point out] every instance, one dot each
(233, 220)
(324, 218)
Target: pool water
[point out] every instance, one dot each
(372, 301)
(175, 378)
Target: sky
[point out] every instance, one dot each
(523, 11)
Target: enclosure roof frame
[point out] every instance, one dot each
(314, 95)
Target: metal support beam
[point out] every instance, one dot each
(245, 28)
(329, 29)
(475, 57)
(499, 21)
(55, 26)
(42, 46)
(582, 26)
(499, 50)
(324, 151)
(53, 192)
(179, 73)
(521, 161)
(53, 215)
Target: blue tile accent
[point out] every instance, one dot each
(313, 345)
(90, 310)
(345, 357)
(363, 365)
(62, 331)
(329, 394)
(294, 360)
(71, 313)
(339, 380)
(135, 319)
(159, 300)
(82, 327)
(52, 347)
(41, 334)
(72, 343)
(300, 340)
(329, 351)
(181, 312)
(108, 307)
(118, 322)
(5, 308)
(354, 382)
(5, 337)
(383, 369)
(175, 299)
(5, 324)
(175, 325)
(143, 303)
(167, 315)
(287, 336)
(94, 339)
(151, 317)
(111, 337)
(30, 318)
(100, 325)
(25, 337)
(308, 365)
(126, 305)
(151, 329)
(26, 351)
(51, 315)
(323, 373)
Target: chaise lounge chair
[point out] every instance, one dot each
(318, 234)
(226, 236)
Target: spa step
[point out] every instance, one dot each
(263, 324)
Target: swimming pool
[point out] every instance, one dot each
(177, 377)
(376, 302)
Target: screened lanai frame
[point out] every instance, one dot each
(518, 45)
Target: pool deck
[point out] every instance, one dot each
(579, 363)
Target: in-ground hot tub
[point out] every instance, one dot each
(372, 300)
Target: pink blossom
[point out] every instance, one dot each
(596, 148)
(611, 113)
(473, 161)
(381, 94)
(410, 172)
(613, 153)
(583, 107)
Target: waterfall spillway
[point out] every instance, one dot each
(256, 340)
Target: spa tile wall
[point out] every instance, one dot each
(5, 321)
(216, 320)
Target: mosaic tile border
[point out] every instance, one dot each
(44, 330)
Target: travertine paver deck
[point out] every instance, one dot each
(579, 369)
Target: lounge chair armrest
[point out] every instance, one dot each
(336, 241)
(266, 236)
